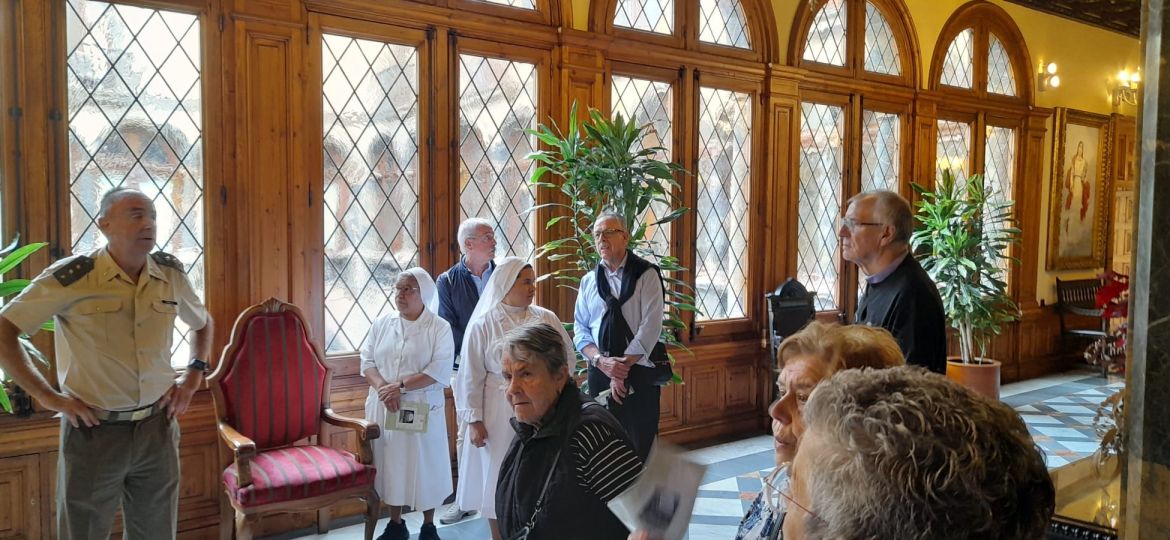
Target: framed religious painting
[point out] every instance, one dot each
(1076, 223)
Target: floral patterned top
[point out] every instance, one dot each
(765, 518)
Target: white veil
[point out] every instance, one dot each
(426, 288)
(503, 277)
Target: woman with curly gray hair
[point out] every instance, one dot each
(902, 453)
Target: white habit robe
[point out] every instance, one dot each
(413, 468)
(479, 396)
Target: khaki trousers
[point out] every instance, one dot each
(132, 465)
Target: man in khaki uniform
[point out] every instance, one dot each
(114, 310)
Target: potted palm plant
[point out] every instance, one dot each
(965, 230)
(600, 165)
(13, 399)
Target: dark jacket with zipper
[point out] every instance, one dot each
(570, 511)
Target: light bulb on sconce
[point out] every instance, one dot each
(1048, 78)
(1126, 90)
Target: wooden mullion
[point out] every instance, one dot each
(687, 111)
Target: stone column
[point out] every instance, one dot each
(1146, 481)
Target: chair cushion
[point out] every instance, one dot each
(297, 472)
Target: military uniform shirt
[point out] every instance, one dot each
(113, 337)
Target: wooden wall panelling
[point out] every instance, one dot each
(1029, 185)
(271, 175)
(1123, 170)
(20, 508)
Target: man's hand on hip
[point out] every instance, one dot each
(73, 409)
(178, 396)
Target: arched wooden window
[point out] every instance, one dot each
(424, 123)
(981, 73)
(861, 58)
(704, 108)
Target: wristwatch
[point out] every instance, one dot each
(595, 358)
(401, 386)
(197, 365)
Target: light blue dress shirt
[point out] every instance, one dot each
(643, 311)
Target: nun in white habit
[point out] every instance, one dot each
(479, 387)
(407, 359)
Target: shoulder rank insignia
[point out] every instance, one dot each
(73, 270)
(166, 259)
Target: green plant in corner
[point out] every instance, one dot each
(601, 166)
(962, 241)
(13, 255)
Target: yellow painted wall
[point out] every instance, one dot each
(1089, 59)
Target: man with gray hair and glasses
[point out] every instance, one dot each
(899, 294)
(459, 289)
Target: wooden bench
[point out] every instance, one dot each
(1077, 298)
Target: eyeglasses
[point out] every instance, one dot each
(853, 224)
(606, 233)
(784, 490)
(405, 290)
(489, 236)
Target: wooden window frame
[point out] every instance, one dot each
(723, 329)
(759, 19)
(10, 124)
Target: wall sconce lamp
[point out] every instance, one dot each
(1127, 88)
(1048, 78)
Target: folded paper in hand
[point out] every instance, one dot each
(661, 500)
(411, 416)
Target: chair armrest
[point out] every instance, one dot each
(366, 432)
(1086, 312)
(243, 449)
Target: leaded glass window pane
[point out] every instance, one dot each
(522, 4)
(724, 176)
(959, 64)
(881, 49)
(953, 149)
(723, 23)
(655, 16)
(822, 153)
(135, 119)
(999, 166)
(370, 114)
(497, 102)
(826, 36)
(1000, 78)
(881, 139)
(649, 103)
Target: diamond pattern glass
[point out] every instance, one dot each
(723, 22)
(655, 16)
(822, 153)
(953, 149)
(522, 4)
(724, 182)
(826, 36)
(497, 102)
(649, 103)
(136, 120)
(1000, 78)
(999, 165)
(370, 114)
(881, 139)
(959, 63)
(881, 49)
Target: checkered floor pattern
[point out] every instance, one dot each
(1058, 410)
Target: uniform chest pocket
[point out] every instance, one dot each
(169, 308)
(97, 307)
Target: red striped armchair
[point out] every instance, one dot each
(271, 395)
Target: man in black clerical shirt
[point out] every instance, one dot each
(899, 294)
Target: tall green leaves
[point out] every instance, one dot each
(962, 240)
(13, 255)
(599, 165)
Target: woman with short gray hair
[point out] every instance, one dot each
(902, 453)
(570, 456)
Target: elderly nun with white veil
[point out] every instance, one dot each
(407, 360)
(479, 386)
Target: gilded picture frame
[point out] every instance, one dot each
(1080, 188)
